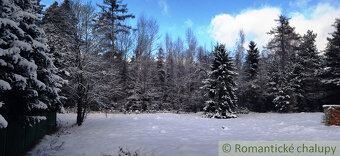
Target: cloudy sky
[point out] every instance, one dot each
(220, 20)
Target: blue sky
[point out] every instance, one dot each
(220, 20)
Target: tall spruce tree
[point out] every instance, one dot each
(331, 72)
(252, 62)
(59, 23)
(303, 75)
(159, 81)
(283, 46)
(251, 70)
(285, 41)
(220, 86)
(28, 84)
(109, 23)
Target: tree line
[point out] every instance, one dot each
(71, 55)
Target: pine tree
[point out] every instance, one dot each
(109, 23)
(283, 46)
(220, 86)
(252, 62)
(29, 85)
(59, 23)
(251, 69)
(331, 73)
(158, 88)
(303, 77)
(134, 100)
(285, 41)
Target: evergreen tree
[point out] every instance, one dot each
(283, 46)
(331, 72)
(28, 83)
(220, 86)
(285, 42)
(59, 23)
(252, 62)
(251, 69)
(159, 80)
(303, 77)
(109, 23)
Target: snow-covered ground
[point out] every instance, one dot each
(169, 134)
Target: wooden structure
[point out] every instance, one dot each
(332, 114)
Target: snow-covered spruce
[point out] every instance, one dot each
(3, 122)
(27, 75)
(220, 86)
(283, 45)
(303, 75)
(331, 72)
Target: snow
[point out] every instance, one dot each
(35, 119)
(3, 122)
(169, 134)
(40, 105)
(10, 23)
(331, 106)
(40, 84)
(22, 45)
(3, 63)
(19, 78)
(4, 85)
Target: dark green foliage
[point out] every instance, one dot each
(251, 90)
(283, 46)
(303, 76)
(331, 71)
(220, 85)
(252, 62)
(28, 84)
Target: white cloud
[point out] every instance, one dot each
(256, 23)
(164, 6)
(189, 23)
(320, 21)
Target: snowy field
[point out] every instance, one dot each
(176, 134)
